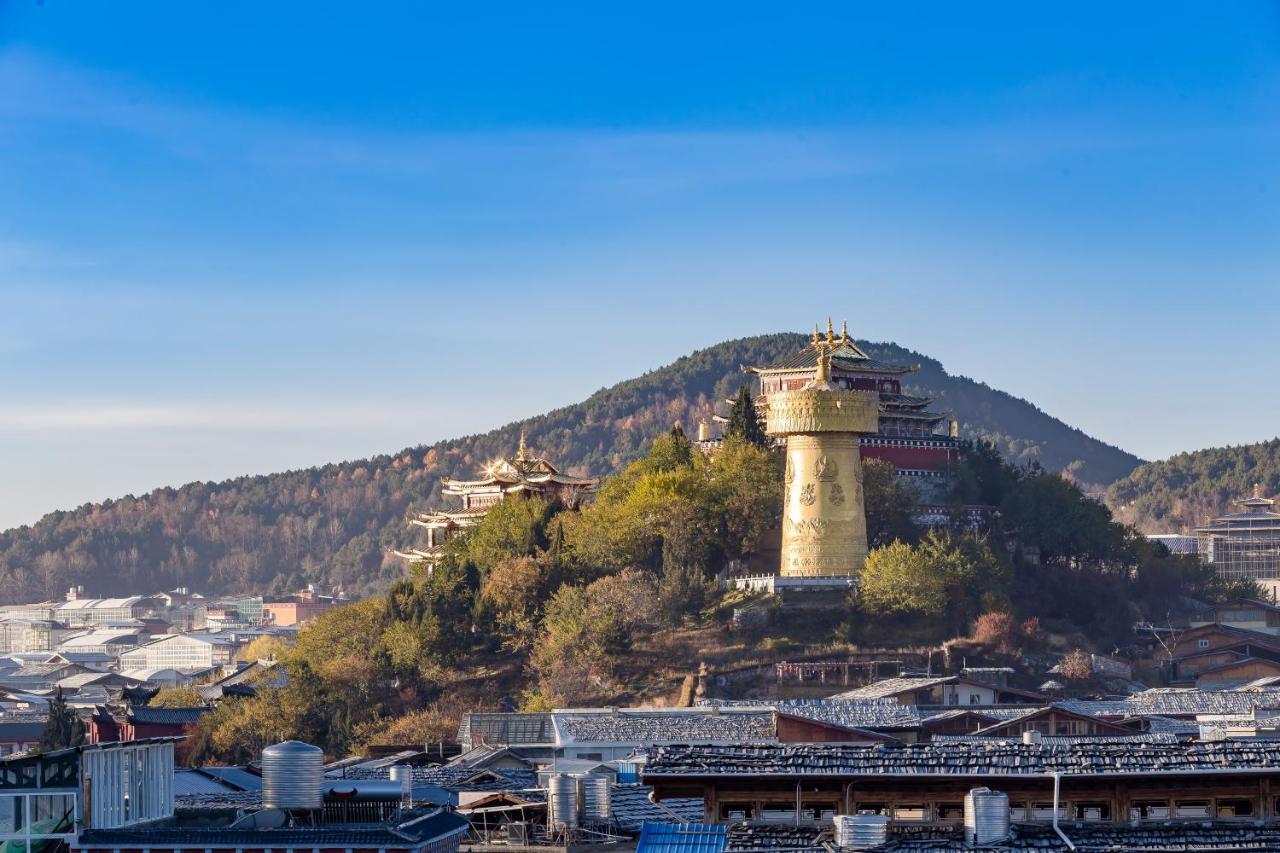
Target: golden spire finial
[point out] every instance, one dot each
(1257, 490)
(831, 332)
(824, 369)
(520, 453)
(844, 331)
(816, 336)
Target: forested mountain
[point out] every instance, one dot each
(1186, 490)
(334, 524)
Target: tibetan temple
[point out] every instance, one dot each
(517, 477)
(921, 444)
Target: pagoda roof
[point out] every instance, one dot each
(449, 518)
(845, 356)
(905, 400)
(1258, 513)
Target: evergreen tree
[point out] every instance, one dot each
(744, 421)
(63, 728)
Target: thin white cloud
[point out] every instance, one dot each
(223, 417)
(627, 162)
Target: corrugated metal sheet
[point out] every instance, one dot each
(681, 838)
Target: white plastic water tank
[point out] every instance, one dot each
(986, 816)
(292, 773)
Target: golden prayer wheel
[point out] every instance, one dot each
(824, 524)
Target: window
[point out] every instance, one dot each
(950, 811)
(820, 812)
(1093, 811)
(1192, 808)
(1202, 644)
(778, 813)
(736, 811)
(911, 812)
(30, 820)
(871, 808)
(1149, 810)
(1044, 811)
(1235, 808)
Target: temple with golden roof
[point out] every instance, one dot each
(514, 477)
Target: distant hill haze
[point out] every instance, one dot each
(333, 525)
(1182, 492)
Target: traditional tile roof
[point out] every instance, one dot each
(747, 837)
(503, 729)
(148, 716)
(848, 358)
(980, 758)
(1176, 703)
(1100, 838)
(679, 726)
(632, 807)
(414, 828)
(893, 687)
(1063, 740)
(859, 714)
(456, 778)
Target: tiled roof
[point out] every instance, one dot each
(456, 778)
(1176, 703)
(148, 716)
(981, 758)
(747, 837)
(860, 714)
(684, 726)
(1135, 737)
(500, 729)
(632, 807)
(412, 828)
(807, 358)
(1097, 838)
(892, 687)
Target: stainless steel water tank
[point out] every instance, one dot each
(403, 774)
(593, 797)
(986, 816)
(292, 773)
(861, 831)
(562, 801)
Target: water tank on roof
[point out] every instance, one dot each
(986, 816)
(562, 801)
(403, 774)
(593, 796)
(861, 831)
(292, 773)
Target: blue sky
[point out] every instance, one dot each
(244, 237)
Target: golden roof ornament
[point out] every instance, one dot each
(831, 332)
(816, 336)
(520, 454)
(844, 331)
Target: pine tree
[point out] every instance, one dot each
(744, 421)
(63, 729)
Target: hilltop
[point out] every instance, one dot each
(1186, 490)
(333, 524)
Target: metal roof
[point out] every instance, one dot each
(681, 838)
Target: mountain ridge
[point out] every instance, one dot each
(1187, 489)
(333, 524)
